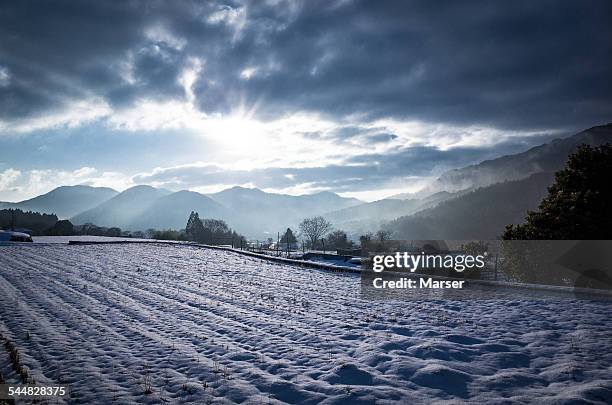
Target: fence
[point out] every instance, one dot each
(571, 263)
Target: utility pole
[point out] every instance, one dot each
(496, 257)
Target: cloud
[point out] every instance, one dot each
(72, 115)
(8, 178)
(342, 95)
(514, 65)
(370, 170)
(4, 76)
(358, 173)
(16, 185)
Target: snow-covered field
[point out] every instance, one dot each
(86, 238)
(179, 324)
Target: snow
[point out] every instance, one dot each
(196, 325)
(85, 238)
(336, 261)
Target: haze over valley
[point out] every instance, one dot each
(474, 202)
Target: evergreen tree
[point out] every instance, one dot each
(211, 231)
(578, 203)
(288, 237)
(36, 223)
(194, 228)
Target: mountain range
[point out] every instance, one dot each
(367, 217)
(548, 157)
(64, 201)
(493, 193)
(473, 202)
(251, 211)
(480, 213)
(122, 208)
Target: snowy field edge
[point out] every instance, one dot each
(142, 323)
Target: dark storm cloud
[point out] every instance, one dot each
(507, 64)
(519, 65)
(60, 51)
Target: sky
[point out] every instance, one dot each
(362, 98)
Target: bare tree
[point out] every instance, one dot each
(314, 229)
(338, 239)
(383, 236)
(364, 240)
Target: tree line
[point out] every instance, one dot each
(211, 231)
(38, 224)
(319, 234)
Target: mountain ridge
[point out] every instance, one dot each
(119, 210)
(261, 214)
(547, 157)
(171, 211)
(481, 213)
(249, 210)
(64, 201)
